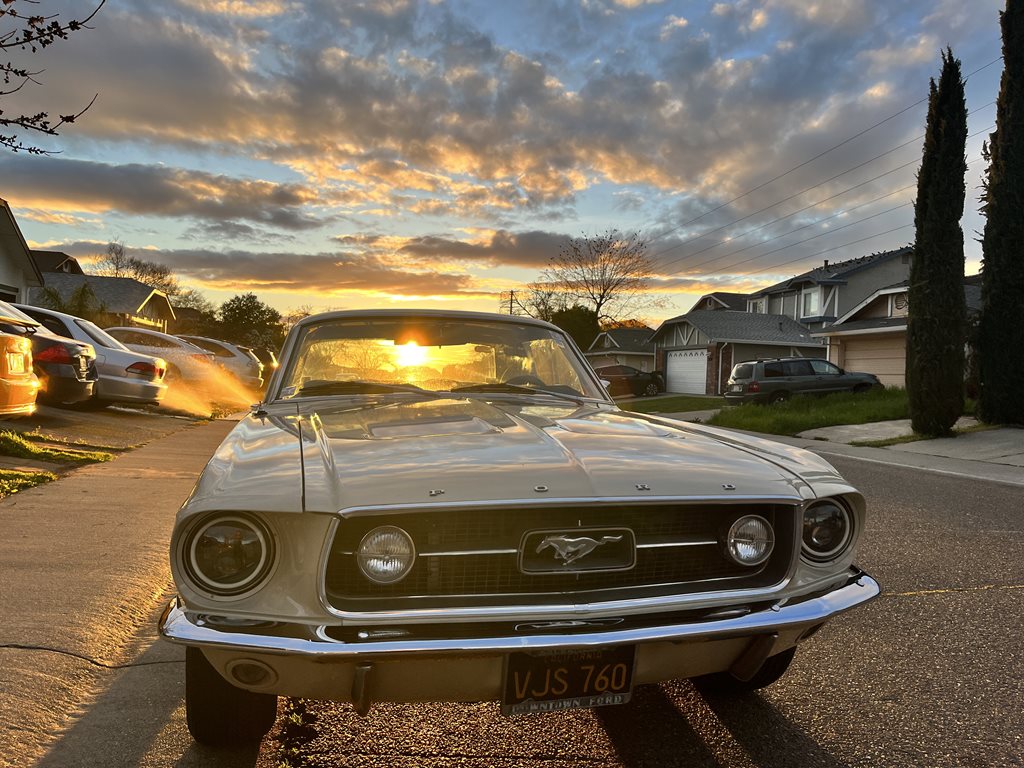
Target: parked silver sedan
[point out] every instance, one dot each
(240, 362)
(124, 376)
(185, 361)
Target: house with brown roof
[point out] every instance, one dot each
(57, 261)
(124, 300)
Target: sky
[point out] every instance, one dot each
(344, 155)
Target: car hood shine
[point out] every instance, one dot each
(330, 456)
(470, 450)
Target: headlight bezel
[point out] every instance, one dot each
(210, 586)
(836, 553)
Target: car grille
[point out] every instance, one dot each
(471, 558)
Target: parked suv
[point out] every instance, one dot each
(777, 379)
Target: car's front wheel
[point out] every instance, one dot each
(773, 668)
(651, 389)
(217, 712)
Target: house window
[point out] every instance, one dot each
(757, 306)
(811, 302)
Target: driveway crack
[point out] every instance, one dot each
(87, 659)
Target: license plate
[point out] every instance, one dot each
(557, 680)
(16, 363)
(735, 387)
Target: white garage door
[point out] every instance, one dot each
(686, 371)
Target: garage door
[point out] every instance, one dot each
(885, 356)
(686, 371)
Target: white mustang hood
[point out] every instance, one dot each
(466, 450)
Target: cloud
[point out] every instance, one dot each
(74, 186)
(319, 274)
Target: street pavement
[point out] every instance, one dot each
(84, 681)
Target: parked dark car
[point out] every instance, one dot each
(778, 379)
(66, 368)
(627, 380)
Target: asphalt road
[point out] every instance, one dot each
(931, 674)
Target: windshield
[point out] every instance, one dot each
(101, 337)
(416, 354)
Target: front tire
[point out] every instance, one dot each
(218, 713)
(773, 668)
(651, 389)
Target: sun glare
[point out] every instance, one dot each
(410, 354)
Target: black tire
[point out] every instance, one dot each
(724, 683)
(218, 713)
(651, 389)
(860, 389)
(778, 397)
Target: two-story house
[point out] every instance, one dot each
(698, 350)
(818, 297)
(872, 336)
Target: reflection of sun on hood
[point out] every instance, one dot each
(468, 450)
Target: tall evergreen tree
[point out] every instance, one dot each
(1001, 330)
(937, 317)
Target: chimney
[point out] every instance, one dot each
(826, 263)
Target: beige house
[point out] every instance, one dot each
(872, 337)
(623, 346)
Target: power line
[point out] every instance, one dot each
(811, 160)
(815, 237)
(808, 189)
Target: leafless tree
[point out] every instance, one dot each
(119, 263)
(610, 273)
(30, 32)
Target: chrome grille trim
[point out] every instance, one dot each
(602, 602)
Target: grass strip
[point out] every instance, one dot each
(679, 404)
(12, 481)
(14, 444)
(799, 414)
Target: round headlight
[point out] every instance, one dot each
(750, 540)
(386, 554)
(828, 530)
(228, 554)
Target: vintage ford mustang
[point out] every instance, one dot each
(447, 506)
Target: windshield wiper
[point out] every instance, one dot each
(518, 390)
(327, 387)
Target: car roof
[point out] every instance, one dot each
(778, 359)
(432, 313)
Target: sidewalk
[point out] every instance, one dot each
(992, 454)
(84, 562)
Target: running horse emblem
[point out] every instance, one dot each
(569, 549)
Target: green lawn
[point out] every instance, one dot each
(672, 404)
(803, 413)
(12, 481)
(13, 444)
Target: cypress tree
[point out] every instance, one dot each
(936, 321)
(1001, 328)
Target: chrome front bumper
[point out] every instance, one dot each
(210, 632)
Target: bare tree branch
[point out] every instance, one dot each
(32, 33)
